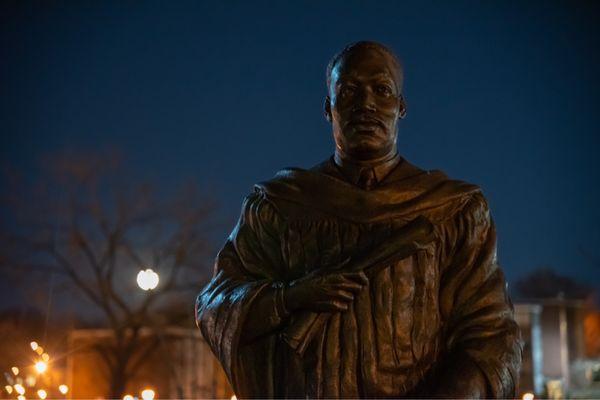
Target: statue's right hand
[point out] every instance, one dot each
(325, 292)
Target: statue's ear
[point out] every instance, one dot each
(327, 108)
(401, 107)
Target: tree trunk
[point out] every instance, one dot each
(118, 383)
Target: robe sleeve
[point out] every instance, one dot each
(482, 340)
(244, 272)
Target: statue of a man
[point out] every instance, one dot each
(363, 276)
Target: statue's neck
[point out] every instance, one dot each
(353, 168)
(342, 158)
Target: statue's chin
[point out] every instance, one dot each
(366, 150)
(364, 145)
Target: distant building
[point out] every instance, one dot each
(183, 367)
(554, 347)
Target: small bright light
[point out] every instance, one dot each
(148, 394)
(15, 370)
(45, 357)
(19, 388)
(63, 389)
(33, 345)
(39, 350)
(21, 397)
(147, 279)
(234, 397)
(41, 367)
(42, 394)
(528, 396)
(30, 380)
(8, 389)
(128, 397)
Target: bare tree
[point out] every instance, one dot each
(94, 229)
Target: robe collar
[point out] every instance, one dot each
(356, 172)
(407, 191)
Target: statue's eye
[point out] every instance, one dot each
(347, 90)
(384, 90)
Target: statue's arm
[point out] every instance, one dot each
(252, 258)
(483, 346)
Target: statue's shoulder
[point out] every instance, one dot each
(290, 192)
(407, 176)
(465, 198)
(292, 180)
(450, 195)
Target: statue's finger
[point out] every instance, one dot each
(331, 306)
(359, 277)
(348, 285)
(343, 295)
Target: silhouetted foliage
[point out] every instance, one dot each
(545, 283)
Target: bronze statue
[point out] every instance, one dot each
(364, 276)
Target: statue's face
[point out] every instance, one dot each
(364, 104)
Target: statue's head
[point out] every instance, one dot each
(364, 101)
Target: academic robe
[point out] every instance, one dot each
(438, 322)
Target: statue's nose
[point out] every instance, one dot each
(365, 100)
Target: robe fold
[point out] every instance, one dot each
(422, 323)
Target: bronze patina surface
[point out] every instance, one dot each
(364, 276)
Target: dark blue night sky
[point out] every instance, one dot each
(502, 94)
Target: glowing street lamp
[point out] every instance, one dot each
(63, 389)
(147, 279)
(8, 389)
(15, 370)
(148, 394)
(33, 345)
(128, 397)
(19, 388)
(42, 394)
(41, 367)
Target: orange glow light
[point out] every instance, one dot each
(148, 394)
(41, 367)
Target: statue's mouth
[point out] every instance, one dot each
(365, 120)
(365, 123)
